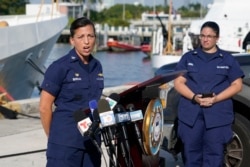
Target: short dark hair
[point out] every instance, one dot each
(213, 25)
(80, 22)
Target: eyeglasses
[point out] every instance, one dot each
(202, 36)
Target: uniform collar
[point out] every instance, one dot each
(199, 51)
(75, 58)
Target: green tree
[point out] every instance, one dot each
(12, 7)
(192, 10)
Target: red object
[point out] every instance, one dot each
(8, 96)
(123, 45)
(146, 48)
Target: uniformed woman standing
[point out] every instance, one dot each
(70, 83)
(205, 109)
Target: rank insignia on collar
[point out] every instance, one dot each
(73, 57)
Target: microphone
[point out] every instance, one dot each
(122, 117)
(113, 99)
(83, 124)
(136, 116)
(87, 111)
(92, 105)
(94, 127)
(107, 119)
(83, 121)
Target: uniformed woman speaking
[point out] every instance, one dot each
(71, 82)
(205, 110)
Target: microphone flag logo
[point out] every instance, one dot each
(107, 118)
(83, 125)
(111, 102)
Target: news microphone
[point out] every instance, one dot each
(123, 117)
(107, 119)
(94, 127)
(136, 115)
(83, 125)
(83, 121)
(106, 115)
(113, 99)
(92, 105)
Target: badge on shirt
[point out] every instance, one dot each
(77, 77)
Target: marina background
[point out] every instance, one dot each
(176, 3)
(118, 68)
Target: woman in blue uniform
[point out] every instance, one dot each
(205, 109)
(70, 83)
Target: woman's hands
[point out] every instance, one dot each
(205, 101)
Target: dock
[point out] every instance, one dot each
(142, 28)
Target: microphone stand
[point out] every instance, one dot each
(110, 147)
(122, 148)
(123, 139)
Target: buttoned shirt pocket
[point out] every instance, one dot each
(220, 71)
(192, 72)
(191, 68)
(221, 74)
(75, 91)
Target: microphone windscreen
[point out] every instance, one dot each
(119, 108)
(107, 117)
(93, 104)
(115, 97)
(130, 107)
(103, 106)
(96, 117)
(79, 115)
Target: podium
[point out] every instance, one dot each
(145, 96)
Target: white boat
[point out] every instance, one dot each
(162, 47)
(234, 21)
(26, 42)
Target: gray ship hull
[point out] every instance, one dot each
(25, 49)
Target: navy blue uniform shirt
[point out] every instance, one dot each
(73, 84)
(208, 73)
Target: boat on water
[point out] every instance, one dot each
(231, 16)
(146, 48)
(125, 42)
(26, 42)
(163, 51)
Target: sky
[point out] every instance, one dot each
(176, 3)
